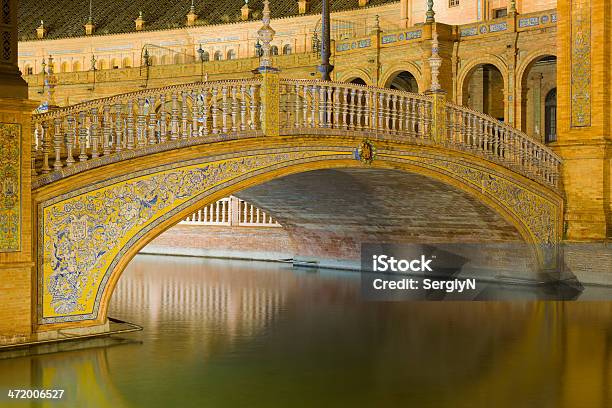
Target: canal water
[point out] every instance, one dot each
(221, 333)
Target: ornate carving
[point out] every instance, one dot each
(366, 152)
(82, 235)
(581, 63)
(270, 97)
(10, 187)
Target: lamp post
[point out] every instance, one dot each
(93, 68)
(201, 54)
(325, 68)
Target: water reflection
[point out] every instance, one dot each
(240, 334)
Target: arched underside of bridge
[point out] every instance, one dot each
(329, 213)
(91, 224)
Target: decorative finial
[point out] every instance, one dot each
(245, 11)
(41, 30)
(430, 12)
(512, 8)
(140, 22)
(191, 16)
(435, 62)
(266, 34)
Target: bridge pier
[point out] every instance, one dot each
(16, 263)
(584, 117)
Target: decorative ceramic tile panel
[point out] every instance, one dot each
(10, 187)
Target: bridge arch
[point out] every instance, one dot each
(90, 226)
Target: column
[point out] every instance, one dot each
(15, 187)
(584, 116)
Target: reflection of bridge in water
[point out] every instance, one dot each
(228, 299)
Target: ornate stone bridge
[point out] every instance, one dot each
(113, 173)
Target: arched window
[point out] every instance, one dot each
(102, 64)
(28, 70)
(152, 61)
(166, 60)
(205, 56)
(65, 67)
(127, 63)
(178, 59)
(218, 56)
(550, 116)
(274, 50)
(231, 54)
(115, 63)
(287, 49)
(76, 66)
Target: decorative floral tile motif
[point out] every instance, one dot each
(10, 187)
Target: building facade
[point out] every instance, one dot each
(499, 57)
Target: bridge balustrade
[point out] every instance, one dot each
(174, 116)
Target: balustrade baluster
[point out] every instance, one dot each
(107, 129)
(234, 109)
(174, 120)
(243, 108)
(224, 109)
(130, 125)
(94, 134)
(367, 110)
(57, 144)
(305, 106)
(381, 111)
(163, 120)
(329, 106)
(253, 96)
(358, 109)
(313, 117)
(193, 130)
(70, 138)
(214, 113)
(352, 104)
(152, 129)
(141, 123)
(83, 136)
(345, 108)
(184, 116)
(46, 147)
(204, 110)
(336, 108)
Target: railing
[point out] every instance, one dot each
(231, 211)
(233, 109)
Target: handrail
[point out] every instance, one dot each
(236, 108)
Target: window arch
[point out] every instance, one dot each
(76, 66)
(65, 67)
(231, 54)
(127, 63)
(218, 56)
(152, 61)
(102, 64)
(205, 56)
(287, 49)
(178, 59)
(166, 60)
(115, 63)
(274, 50)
